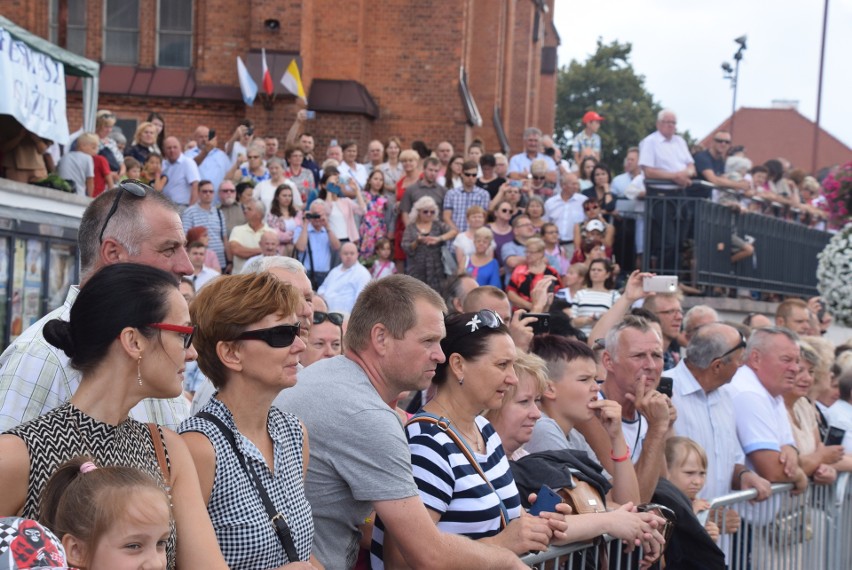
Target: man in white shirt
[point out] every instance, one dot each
(182, 173)
(213, 163)
(345, 282)
(664, 154)
(519, 164)
(566, 210)
(245, 239)
(840, 413)
(201, 274)
(631, 170)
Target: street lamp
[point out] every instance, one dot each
(733, 74)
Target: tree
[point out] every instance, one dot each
(608, 84)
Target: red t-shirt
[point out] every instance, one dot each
(101, 172)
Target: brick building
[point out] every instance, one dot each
(454, 69)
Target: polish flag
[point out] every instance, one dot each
(267, 77)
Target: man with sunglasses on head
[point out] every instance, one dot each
(130, 223)
(360, 460)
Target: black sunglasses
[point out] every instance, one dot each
(281, 336)
(470, 174)
(741, 344)
(135, 187)
(334, 318)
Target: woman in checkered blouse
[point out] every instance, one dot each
(248, 346)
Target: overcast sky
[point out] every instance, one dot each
(680, 45)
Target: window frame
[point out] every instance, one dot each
(190, 33)
(107, 28)
(53, 25)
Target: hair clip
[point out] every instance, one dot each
(473, 323)
(87, 467)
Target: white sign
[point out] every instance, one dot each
(32, 89)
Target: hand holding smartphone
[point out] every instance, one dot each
(545, 502)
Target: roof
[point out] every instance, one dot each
(782, 133)
(74, 64)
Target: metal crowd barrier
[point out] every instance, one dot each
(812, 530)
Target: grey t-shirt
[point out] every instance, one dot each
(77, 166)
(548, 436)
(359, 453)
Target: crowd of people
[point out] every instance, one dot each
(384, 364)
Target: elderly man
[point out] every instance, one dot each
(566, 211)
(346, 281)
(664, 154)
(631, 170)
(375, 155)
(360, 461)
(287, 270)
(213, 163)
(182, 173)
(245, 239)
(667, 308)
(793, 314)
(706, 413)
(633, 360)
(231, 209)
(268, 245)
(203, 213)
(315, 244)
(697, 317)
(520, 164)
(763, 427)
(35, 377)
(444, 152)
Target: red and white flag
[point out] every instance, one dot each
(267, 77)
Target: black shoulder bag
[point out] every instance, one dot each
(277, 519)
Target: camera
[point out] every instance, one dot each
(312, 216)
(250, 131)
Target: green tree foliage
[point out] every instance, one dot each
(608, 84)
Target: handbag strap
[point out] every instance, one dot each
(160, 450)
(445, 425)
(277, 519)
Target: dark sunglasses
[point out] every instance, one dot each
(484, 318)
(334, 318)
(135, 188)
(470, 174)
(185, 332)
(594, 207)
(281, 336)
(741, 344)
(722, 141)
(538, 177)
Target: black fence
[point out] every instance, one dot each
(693, 238)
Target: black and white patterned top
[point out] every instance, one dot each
(66, 432)
(246, 537)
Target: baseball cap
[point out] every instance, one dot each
(591, 116)
(595, 225)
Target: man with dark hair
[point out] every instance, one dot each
(458, 200)
(203, 213)
(360, 459)
(35, 376)
(456, 290)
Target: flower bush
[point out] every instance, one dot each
(835, 276)
(837, 189)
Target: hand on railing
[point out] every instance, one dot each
(825, 475)
(751, 480)
(524, 534)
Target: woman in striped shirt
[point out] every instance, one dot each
(457, 457)
(598, 296)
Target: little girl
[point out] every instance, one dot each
(481, 265)
(110, 518)
(384, 265)
(687, 467)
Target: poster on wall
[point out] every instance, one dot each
(16, 320)
(33, 285)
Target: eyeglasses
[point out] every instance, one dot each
(538, 177)
(334, 318)
(741, 344)
(484, 318)
(134, 187)
(587, 208)
(185, 332)
(281, 336)
(427, 211)
(470, 174)
(722, 141)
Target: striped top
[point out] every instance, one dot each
(588, 302)
(450, 485)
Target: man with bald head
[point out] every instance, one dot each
(346, 281)
(182, 173)
(706, 413)
(213, 163)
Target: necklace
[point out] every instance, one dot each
(476, 441)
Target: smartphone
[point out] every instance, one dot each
(545, 502)
(211, 135)
(660, 284)
(541, 325)
(516, 183)
(250, 131)
(310, 115)
(834, 436)
(665, 386)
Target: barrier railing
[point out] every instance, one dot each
(812, 530)
(690, 237)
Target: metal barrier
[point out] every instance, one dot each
(691, 237)
(812, 530)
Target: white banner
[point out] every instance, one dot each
(32, 89)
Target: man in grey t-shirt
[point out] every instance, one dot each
(360, 460)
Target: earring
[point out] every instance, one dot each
(139, 370)
(461, 380)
